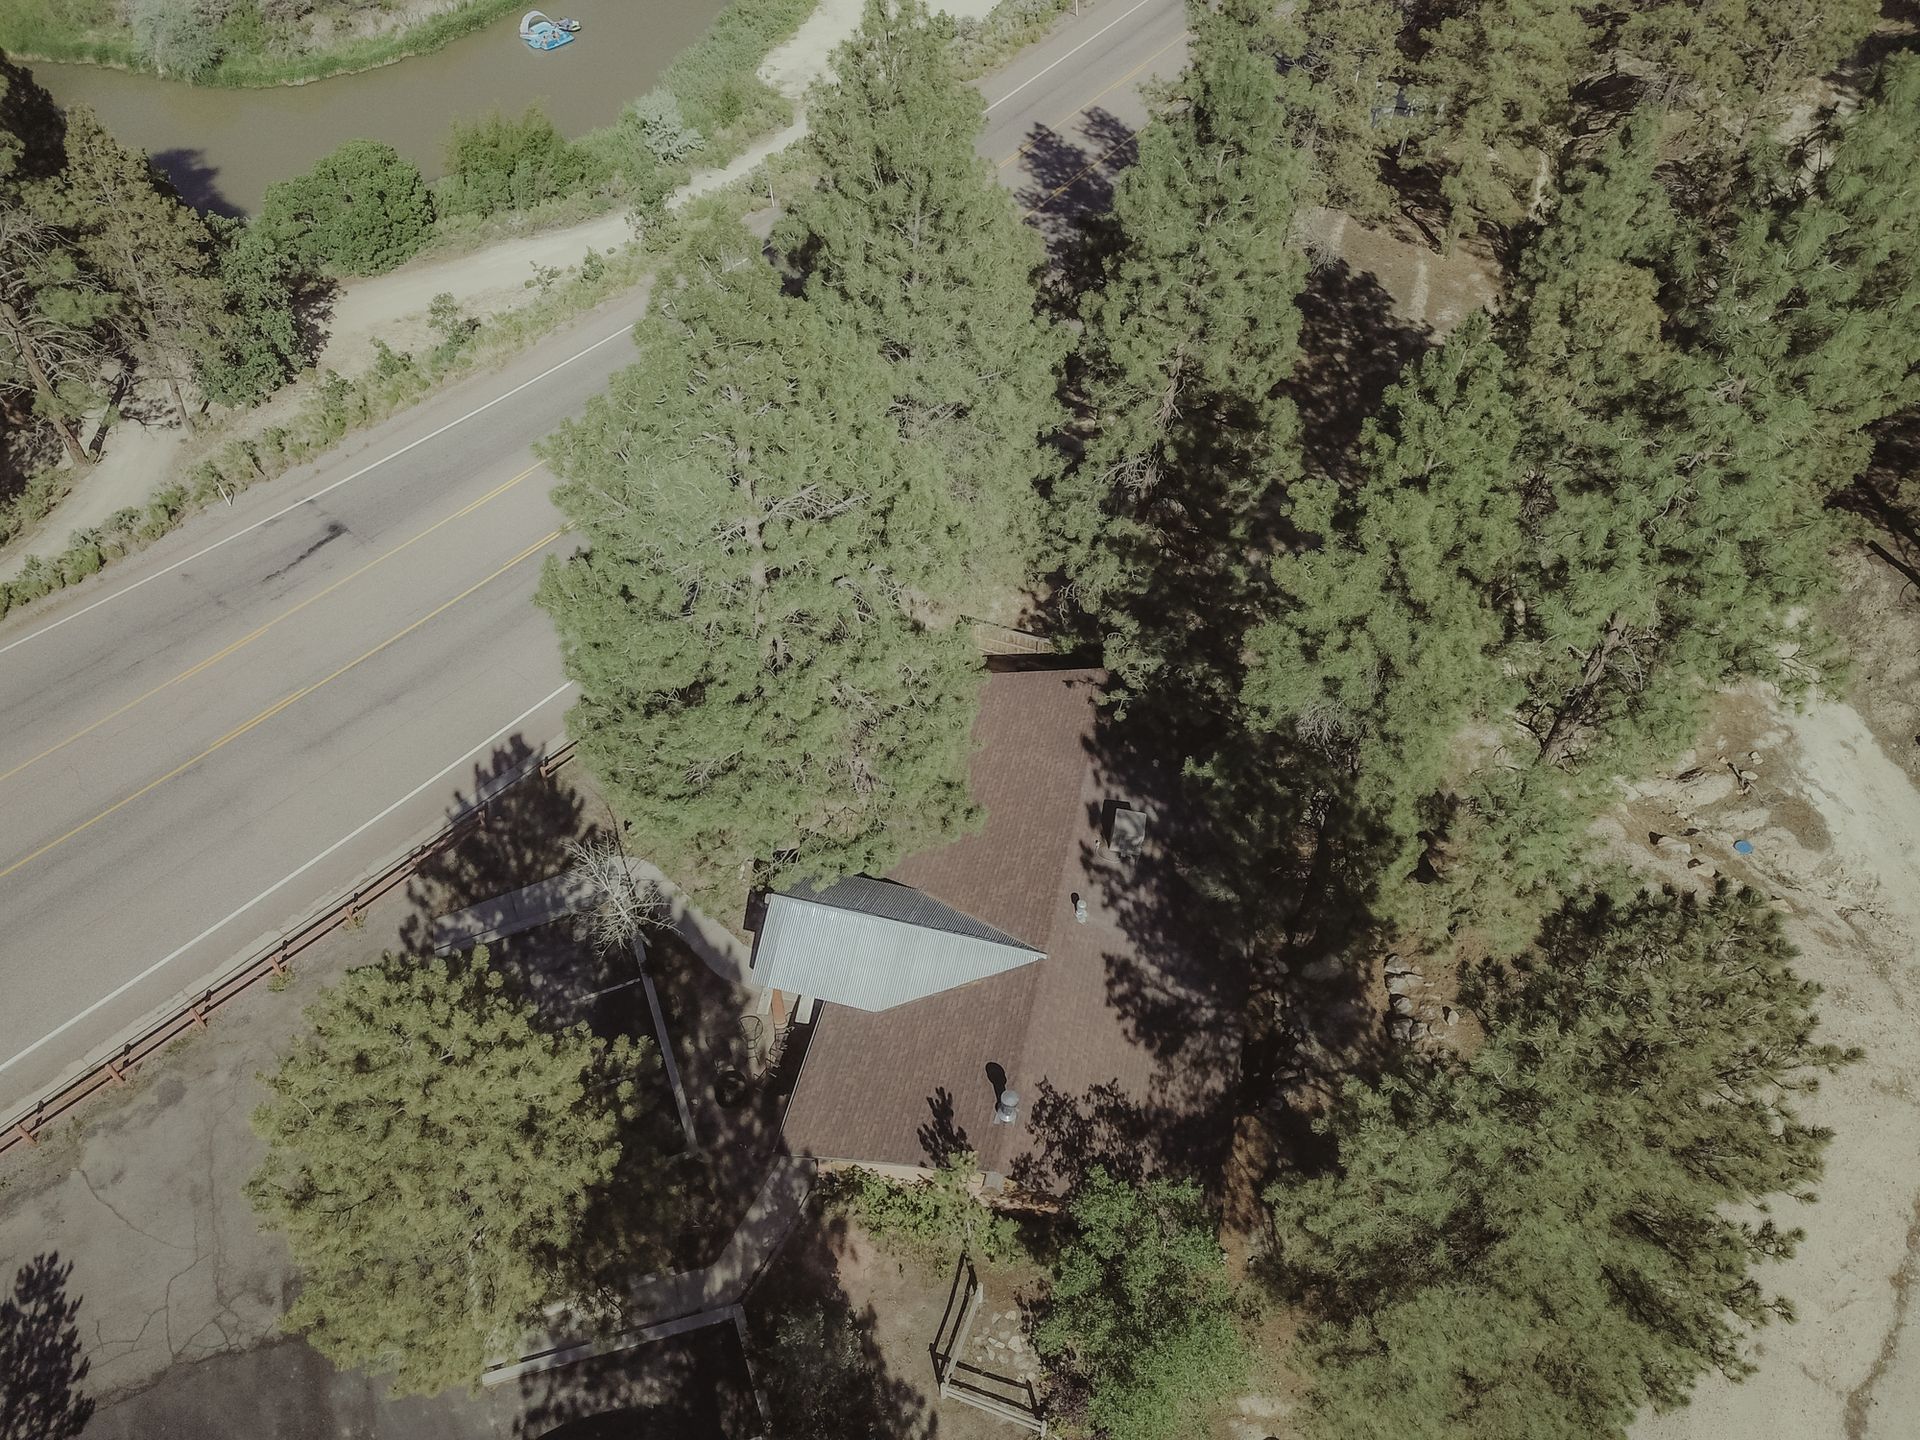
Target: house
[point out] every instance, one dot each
(991, 995)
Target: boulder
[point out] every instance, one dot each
(1404, 983)
(1331, 968)
(1400, 1004)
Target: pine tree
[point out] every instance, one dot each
(1141, 1313)
(1744, 58)
(909, 245)
(1387, 634)
(1542, 1240)
(756, 688)
(256, 342)
(148, 247)
(1188, 339)
(1347, 66)
(1615, 518)
(52, 317)
(52, 313)
(1495, 84)
(432, 1154)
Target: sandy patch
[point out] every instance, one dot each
(1835, 826)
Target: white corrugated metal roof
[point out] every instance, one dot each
(873, 944)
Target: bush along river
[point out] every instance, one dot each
(223, 147)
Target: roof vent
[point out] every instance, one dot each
(1009, 1105)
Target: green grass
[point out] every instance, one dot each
(94, 32)
(714, 79)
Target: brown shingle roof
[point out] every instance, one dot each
(900, 1086)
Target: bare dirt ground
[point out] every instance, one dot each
(1832, 809)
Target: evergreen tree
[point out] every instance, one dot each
(256, 342)
(1615, 514)
(1495, 82)
(51, 312)
(1387, 634)
(432, 1153)
(1733, 56)
(52, 315)
(1346, 102)
(151, 250)
(756, 687)
(1188, 339)
(1142, 1314)
(1539, 1242)
(909, 245)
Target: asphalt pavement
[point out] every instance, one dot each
(215, 737)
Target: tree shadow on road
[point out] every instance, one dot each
(1070, 185)
(525, 825)
(41, 1366)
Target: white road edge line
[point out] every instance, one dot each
(1140, 5)
(324, 490)
(286, 880)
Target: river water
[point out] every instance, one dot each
(223, 147)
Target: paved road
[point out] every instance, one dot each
(226, 731)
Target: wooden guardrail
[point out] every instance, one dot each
(117, 1069)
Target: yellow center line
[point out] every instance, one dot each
(253, 635)
(1083, 172)
(280, 705)
(1084, 104)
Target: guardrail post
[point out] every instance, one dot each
(119, 1075)
(26, 1132)
(277, 962)
(194, 1010)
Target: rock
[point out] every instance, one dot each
(1330, 968)
(1403, 984)
(1673, 848)
(1401, 1027)
(1782, 906)
(1397, 966)
(1699, 788)
(1450, 1015)
(1400, 1004)
(1753, 756)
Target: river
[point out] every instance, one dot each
(223, 147)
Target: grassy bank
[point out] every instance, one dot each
(255, 53)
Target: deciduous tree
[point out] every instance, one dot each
(360, 210)
(1142, 1314)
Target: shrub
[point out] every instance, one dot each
(935, 1219)
(656, 124)
(501, 164)
(177, 37)
(359, 211)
